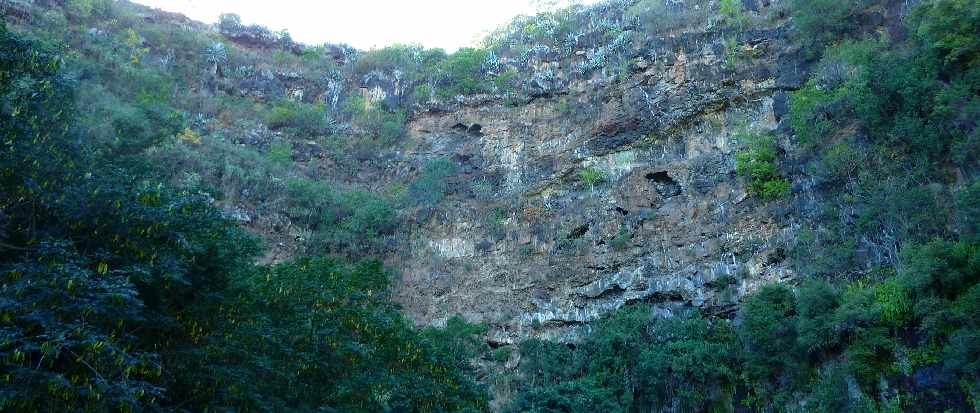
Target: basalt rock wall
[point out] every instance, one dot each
(529, 245)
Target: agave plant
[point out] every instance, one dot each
(622, 5)
(201, 121)
(599, 58)
(540, 51)
(621, 41)
(350, 55)
(569, 43)
(245, 71)
(417, 56)
(632, 22)
(548, 27)
(216, 55)
(335, 88)
(525, 57)
(492, 63)
(544, 76)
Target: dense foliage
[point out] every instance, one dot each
(791, 351)
(632, 362)
(123, 286)
(120, 293)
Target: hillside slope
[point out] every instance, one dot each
(681, 157)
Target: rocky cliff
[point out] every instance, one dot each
(596, 182)
(529, 247)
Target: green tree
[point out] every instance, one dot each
(93, 253)
(767, 332)
(690, 363)
(317, 334)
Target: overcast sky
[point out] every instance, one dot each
(365, 24)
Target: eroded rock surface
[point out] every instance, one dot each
(529, 248)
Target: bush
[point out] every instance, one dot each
(281, 153)
(892, 303)
(591, 177)
(825, 252)
(758, 164)
(821, 22)
(351, 223)
(622, 239)
(841, 162)
(302, 119)
(818, 300)
(659, 16)
(632, 362)
(507, 81)
(949, 28)
(384, 127)
(85, 9)
(432, 185)
(731, 10)
(690, 363)
(394, 57)
(316, 332)
(463, 73)
(813, 113)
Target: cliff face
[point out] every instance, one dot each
(585, 190)
(531, 247)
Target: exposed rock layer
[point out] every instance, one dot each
(529, 248)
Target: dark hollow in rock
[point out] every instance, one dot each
(460, 127)
(777, 256)
(622, 211)
(476, 130)
(578, 232)
(665, 185)
(484, 246)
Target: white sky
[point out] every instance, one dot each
(366, 24)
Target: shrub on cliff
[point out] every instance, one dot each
(349, 223)
(758, 164)
(432, 184)
(395, 57)
(463, 73)
(385, 126)
(591, 176)
(731, 11)
(659, 16)
(302, 119)
(822, 22)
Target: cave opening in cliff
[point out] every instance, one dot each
(665, 185)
